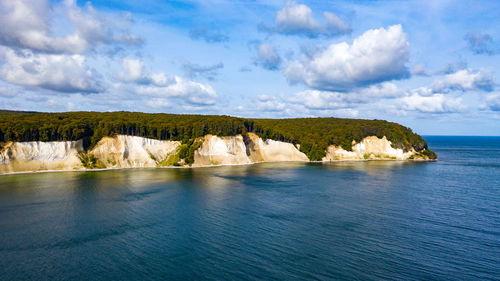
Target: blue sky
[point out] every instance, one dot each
(430, 65)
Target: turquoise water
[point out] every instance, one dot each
(378, 220)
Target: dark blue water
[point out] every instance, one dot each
(361, 220)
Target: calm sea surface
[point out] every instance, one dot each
(378, 220)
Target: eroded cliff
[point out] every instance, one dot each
(216, 150)
(369, 148)
(36, 155)
(123, 151)
(271, 150)
(130, 151)
(246, 149)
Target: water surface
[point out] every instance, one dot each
(377, 220)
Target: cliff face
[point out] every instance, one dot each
(369, 148)
(130, 151)
(220, 151)
(271, 150)
(216, 150)
(34, 156)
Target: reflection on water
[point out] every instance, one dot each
(340, 220)
(137, 179)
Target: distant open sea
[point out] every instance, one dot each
(376, 220)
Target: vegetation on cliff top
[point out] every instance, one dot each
(313, 134)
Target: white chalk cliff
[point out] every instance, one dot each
(369, 148)
(271, 150)
(216, 150)
(37, 155)
(124, 151)
(130, 151)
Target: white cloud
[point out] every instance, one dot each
(437, 103)
(493, 102)
(266, 103)
(267, 56)
(165, 90)
(319, 100)
(133, 70)
(62, 73)
(466, 79)
(295, 17)
(183, 90)
(160, 79)
(27, 24)
(298, 19)
(423, 91)
(316, 102)
(382, 96)
(385, 90)
(344, 113)
(159, 103)
(329, 100)
(306, 103)
(375, 56)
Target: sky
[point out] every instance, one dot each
(430, 65)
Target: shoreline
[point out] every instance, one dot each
(207, 166)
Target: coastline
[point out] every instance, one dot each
(209, 166)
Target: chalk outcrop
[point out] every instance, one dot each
(232, 150)
(130, 151)
(271, 150)
(216, 150)
(37, 155)
(369, 148)
(124, 151)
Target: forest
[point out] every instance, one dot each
(313, 134)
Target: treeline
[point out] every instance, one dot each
(313, 134)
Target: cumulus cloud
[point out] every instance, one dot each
(207, 71)
(266, 103)
(330, 100)
(319, 100)
(437, 103)
(481, 43)
(316, 102)
(382, 95)
(62, 73)
(375, 56)
(266, 56)
(493, 102)
(374, 93)
(184, 90)
(164, 89)
(27, 25)
(466, 80)
(133, 71)
(209, 36)
(298, 19)
(306, 103)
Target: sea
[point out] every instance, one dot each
(365, 220)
